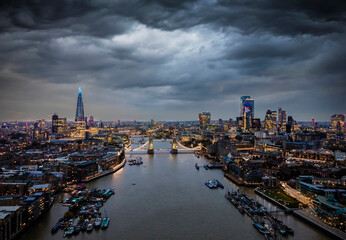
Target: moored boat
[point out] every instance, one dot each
(105, 223)
(269, 236)
(259, 227)
(56, 227)
(210, 184)
(90, 227)
(98, 222)
(69, 231)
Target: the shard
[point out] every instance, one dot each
(80, 108)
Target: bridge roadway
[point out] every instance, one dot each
(141, 150)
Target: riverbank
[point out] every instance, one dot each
(333, 232)
(104, 173)
(234, 178)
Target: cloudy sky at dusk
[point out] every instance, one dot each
(170, 60)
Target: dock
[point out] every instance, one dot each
(104, 173)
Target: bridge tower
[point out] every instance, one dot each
(174, 149)
(151, 146)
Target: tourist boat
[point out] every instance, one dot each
(90, 227)
(259, 227)
(210, 184)
(139, 160)
(56, 227)
(217, 183)
(98, 222)
(105, 223)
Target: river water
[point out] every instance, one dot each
(168, 201)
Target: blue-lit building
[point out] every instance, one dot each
(80, 108)
(247, 110)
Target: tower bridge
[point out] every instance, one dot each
(176, 147)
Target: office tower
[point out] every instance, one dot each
(256, 124)
(247, 110)
(335, 118)
(80, 108)
(59, 125)
(270, 120)
(240, 122)
(313, 123)
(204, 120)
(37, 131)
(80, 121)
(290, 124)
(281, 124)
(231, 122)
(91, 121)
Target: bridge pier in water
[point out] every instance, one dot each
(174, 149)
(151, 146)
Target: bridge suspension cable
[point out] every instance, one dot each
(140, 147)
(187, 148)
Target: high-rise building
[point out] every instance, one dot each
(290, 124)
(281, 124)
(270, 120)
(204, 120)
(335, 118)
(256, 124)
(80, 108)
(231, 122)
(79, 124)
(91, 121)
(247, 109)
(240, 122)
(59, 125)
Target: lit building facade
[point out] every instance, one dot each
(247, 110)
(282, 120)
(80, 123)
(335, 118)
(59, 125)
(204, 120)
(270, 120)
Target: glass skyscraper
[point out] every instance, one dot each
(80, 108)
(247, 109)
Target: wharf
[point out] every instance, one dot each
(104, 173)
(237, 180)
(234, 179)
(214, 166)
(331, 231)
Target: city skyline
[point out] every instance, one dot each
(171, 60)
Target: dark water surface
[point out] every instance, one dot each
(169, 201)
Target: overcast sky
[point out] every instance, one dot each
(170, 59)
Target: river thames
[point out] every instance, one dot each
(168, 201)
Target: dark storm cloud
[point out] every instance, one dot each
(181, 55)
